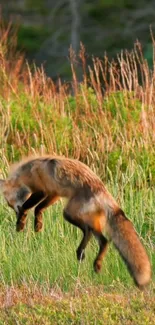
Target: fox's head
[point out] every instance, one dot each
(15, 194)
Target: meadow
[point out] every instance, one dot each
(108, 122)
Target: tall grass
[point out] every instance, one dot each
(103, 120)
(107, 121)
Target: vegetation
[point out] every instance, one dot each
(99, 308)
(47, 28)
(106, 121)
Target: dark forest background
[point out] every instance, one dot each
(47, 28)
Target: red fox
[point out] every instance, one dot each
(41, 181)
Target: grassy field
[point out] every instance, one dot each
(91, 306)
(108, 122)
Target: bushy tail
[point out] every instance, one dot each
(130, 248)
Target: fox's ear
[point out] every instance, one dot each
(2, 182)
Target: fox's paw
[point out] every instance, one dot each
(38, 227)
(20, 226)
(97, 266)
(80, 255)
(21, 220)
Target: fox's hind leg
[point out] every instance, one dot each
(103, 245)
(90, 218)
(38, 222)
(86, 234)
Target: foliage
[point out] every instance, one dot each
(115, 125)
(46, 29)
(30, 38)
(123, 107)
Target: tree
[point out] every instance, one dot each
(75, 25)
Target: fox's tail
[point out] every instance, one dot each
(130, 248)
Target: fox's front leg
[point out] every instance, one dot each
(38, 221)
(21, 219)
(28, 204)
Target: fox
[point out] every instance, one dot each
(41, 181)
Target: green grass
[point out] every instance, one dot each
(49, 257)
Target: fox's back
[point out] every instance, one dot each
(69, 172)
(59, 173)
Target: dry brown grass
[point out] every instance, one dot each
(24, 306)
(86, 120)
